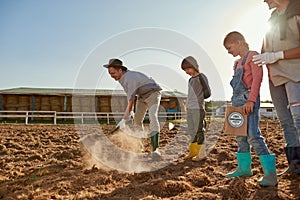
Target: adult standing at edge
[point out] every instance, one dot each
(148, 98)
(281, 54)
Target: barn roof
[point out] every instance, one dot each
(71, 91)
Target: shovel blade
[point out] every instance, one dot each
(114, 130)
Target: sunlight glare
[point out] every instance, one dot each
(253, 24)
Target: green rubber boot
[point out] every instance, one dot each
(244, 166)
(154, 140)
(268, 164)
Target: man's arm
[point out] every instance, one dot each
(128, 109)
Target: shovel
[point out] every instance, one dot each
(131, 116)
(114, 130)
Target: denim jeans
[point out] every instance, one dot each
(195, 119)
(254, 137)
(239, 98)
(289, 116)
(152, 105)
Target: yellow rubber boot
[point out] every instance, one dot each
(193, 150)
(201, 153)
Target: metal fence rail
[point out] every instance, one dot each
(82, 116)
(107, 116)
(26, 115)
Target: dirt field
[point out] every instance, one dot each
(54, 162)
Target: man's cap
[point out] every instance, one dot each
(114, 62)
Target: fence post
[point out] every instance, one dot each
(0, 105)
(26, 118)
(54, 117)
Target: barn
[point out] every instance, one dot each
(267, 110)
(78, 100)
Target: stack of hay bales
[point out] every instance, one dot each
(24, 103)
(117, 104)
(45, 103)
(104, 104)
(57, 103)
(83, 104)
(11, 102)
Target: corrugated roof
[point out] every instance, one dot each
(60, 91)
(69, 91)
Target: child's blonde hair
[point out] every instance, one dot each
(235, 36)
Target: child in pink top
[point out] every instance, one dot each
(252, 76)
(246, 84)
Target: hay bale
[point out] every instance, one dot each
(57, 103)
(87, 108)
(10, 107)
(37, 102)
(45, 107)
(104, 104)
(104, 101)
(104, 109)
(23, 107)
(86, 101)
(56, 100)
(24, 100)
(45, 100)
(75, 100)
(12, 100)
(76, 108)
(57, 108)
(118, 104)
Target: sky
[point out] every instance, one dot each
(64, 43)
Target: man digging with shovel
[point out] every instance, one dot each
(148, 98)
